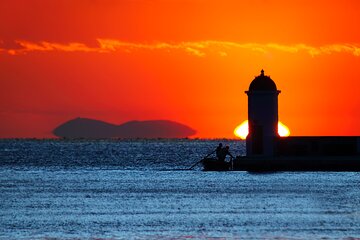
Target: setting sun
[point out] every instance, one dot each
(242, 130)
(283, 130)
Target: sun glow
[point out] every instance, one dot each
(242, 130)
(283, 130)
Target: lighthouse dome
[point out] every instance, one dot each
(262, 83)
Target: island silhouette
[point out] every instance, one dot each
(95, 129)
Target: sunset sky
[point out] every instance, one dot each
(188, 61)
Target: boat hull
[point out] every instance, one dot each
(213, 164)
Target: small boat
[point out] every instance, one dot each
(213, 164)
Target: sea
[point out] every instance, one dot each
(145, 189)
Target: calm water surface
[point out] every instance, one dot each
(140, 190)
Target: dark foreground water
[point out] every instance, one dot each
(140, 190)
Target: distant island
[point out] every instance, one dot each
(95, 129)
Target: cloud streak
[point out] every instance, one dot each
(196, 48)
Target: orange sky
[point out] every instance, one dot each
(184, 60)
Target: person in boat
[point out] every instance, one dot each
(218, 150)
(224, 152)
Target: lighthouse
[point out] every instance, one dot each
(263, 116)
(267, 151)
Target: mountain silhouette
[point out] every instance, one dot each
(91, 128)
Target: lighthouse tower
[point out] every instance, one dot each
(263, 116)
